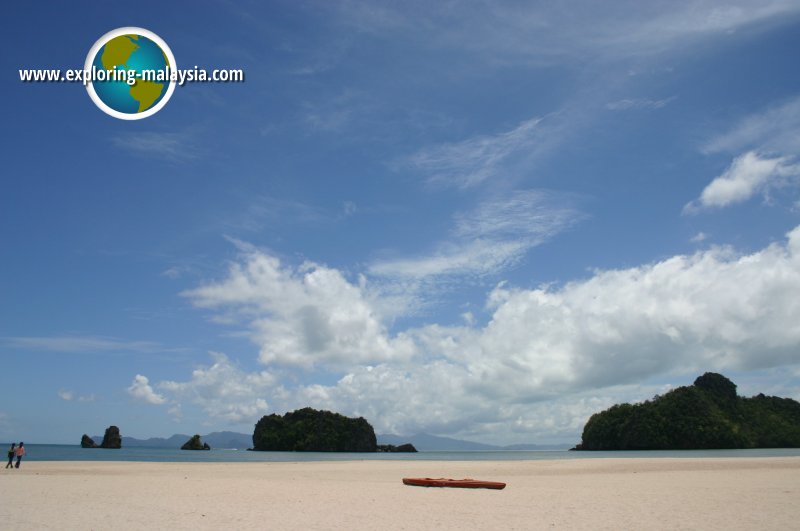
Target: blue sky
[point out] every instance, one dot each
(485, 220)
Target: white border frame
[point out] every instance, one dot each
(127, 31)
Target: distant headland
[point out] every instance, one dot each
(706, 415)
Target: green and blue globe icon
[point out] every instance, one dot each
(131, 70)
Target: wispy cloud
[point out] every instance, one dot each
(638, 104)
(69, 396)
(773, 130)
(84, 344)
(174, 147)
(535, 33)
(338, 112)
(471, 162)
(492, 237)
(262, 211)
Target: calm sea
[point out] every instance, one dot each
(58, 452)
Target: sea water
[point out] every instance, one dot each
(58, 452)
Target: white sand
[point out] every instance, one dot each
(646, 493)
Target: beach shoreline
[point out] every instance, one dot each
(608, 493)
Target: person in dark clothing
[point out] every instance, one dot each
(11, 453)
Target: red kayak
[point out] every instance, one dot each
(461, 483)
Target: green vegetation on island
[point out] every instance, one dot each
(706, 415)
(309, 430)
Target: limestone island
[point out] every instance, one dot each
(403, 448)
(111, 440)
(195, 444)
(706, 415)
(309, 430)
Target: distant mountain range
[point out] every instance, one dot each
(218, 439)
(421, 441)
(432, 443)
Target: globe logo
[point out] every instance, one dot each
(129, 72)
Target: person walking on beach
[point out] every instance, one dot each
(20, 452)
(11, 453)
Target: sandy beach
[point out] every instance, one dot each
(646, 493)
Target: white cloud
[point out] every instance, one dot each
(69, 396)
(66, 395)
(223, 391)
(477, 257)
(547, 358)
(174, 272)
(140, 389)
(747, 175)
(699, 237)
(304, 316)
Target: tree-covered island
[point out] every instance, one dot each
(309, 430)
(706, 415)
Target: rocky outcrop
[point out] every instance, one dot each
(403, 448)
(195, 444)
(112, 439)
(309, 430)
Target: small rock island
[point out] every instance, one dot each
(111, 440)
(309, 430)
(403, 448)
(195, 444)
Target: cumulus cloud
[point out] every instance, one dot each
(547, 357)
(140, 389)
(306, 315)
(748, 175)
(223, 391)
